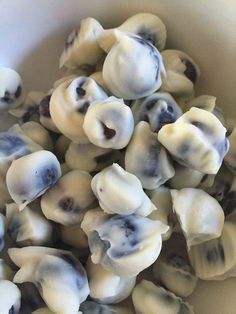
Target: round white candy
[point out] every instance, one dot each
(10, 89)
(81, 47)
(106, 287)
(197, 140)
(123, 245)
(68, 200)
(58, 275)
(151, 299)
(181, 73)
(146, 158)
(89, 157)
(30, 176)
(10, 297)
(69, 103)
(200, 215)
(120, 192)
(27, 227)
(109, 123)
(157, 109)
(216, 259)
(132, 68)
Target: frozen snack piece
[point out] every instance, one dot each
(148, 26)
(58, 275)
(69, 103)
(6, 273)
(81, 47)
(175, 272)
(200, 215)
(106, 287)
(27, 227)
(216, 259)
(109, 123)
(11, 94)
(196, 140)
(120, 192)
(36, 132)
(68, 200)
(145, 25)
(10, 299)
(123, 245)
(181, 73)
(30, 176)
(29, 109)
(133, 68)
(74, 236)
(146, 158)
(151, 299)
(230, 158)
(90, 307)
(89, 157)
(157, 109)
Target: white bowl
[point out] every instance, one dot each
(32, 35)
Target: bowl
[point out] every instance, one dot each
(32, 35)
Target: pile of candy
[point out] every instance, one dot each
(116, 168)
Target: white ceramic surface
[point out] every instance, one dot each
(32, 34)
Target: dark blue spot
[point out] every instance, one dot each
(44, 107)
(202, 126)
(71, 38)
(151, 166)
(68, 204)
(184, 149)
(148, 36)
(214, 254)
(190, 71)
(7, 98)
(46, 177)
(11, 311)
(10, 143)
(18, 91)
(83, 109)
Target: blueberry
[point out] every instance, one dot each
(11, 311)
(83, 109)
(44, 107)
(190, 71)
(18, 92)
(215, 253)
(10, 143)
(148, 36)
(68, 204)
(109, 133)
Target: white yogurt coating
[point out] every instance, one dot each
(59, 277)
(230, 158)
(216, 259)
(81, 47)
(173, 270)
(197, 140)
(120, 192)
(11, 301)
(151, 299)
(36, 132)
(27, 227)
(30, 176)
(181, 73)
(69, 199)
(146, 158)
(157, 109)
(11, 94)
(89, 157)
(98, 78)
(123, 245)
(105, 287)
(69, 103)
(133, 68)
(109, 123)
(197, 223)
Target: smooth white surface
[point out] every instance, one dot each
(32, 35)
